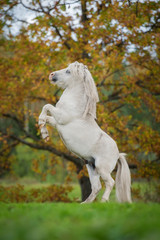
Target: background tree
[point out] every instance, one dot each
(117, 40)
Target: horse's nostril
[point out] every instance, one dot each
(54, 78)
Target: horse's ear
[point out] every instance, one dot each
(91, 93)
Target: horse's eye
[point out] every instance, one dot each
(68, 71)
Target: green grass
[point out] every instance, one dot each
(72, 221)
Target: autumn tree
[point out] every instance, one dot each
(117, 40)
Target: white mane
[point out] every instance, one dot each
(82, 73)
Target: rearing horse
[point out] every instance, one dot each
(74, 117)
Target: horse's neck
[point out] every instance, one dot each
(73, 100)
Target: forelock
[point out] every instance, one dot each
(78, 69)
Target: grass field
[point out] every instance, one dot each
(72, 221)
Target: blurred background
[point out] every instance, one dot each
(119, 41)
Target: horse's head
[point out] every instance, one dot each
(62, 78)
(78, 73)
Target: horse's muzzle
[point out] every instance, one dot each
(53, 77)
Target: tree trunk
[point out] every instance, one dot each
(85, 187)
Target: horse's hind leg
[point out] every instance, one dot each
(95, 183)
(109, 183)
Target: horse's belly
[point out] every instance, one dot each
(79, 136)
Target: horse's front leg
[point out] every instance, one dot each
(58, 116)
(43, 119)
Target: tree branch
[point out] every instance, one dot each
(29, 8)
(116, 108)
(78, 162)
(137, 8)
(15, 143)
(7, 115)
(21, 125)
(129, 3)
(109, 75)
(84, 10)
(114, 96)
(69, 3)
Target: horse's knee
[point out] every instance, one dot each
(48, 105)
(46, 108)
(41, 121)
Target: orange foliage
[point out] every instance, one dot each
(117, 40)
(18, 194)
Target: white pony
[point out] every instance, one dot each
(74, 117)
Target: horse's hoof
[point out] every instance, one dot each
(103, 200)
(46, 139)
(42, 125)
(84, 202)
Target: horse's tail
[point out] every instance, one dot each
(123, 180)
